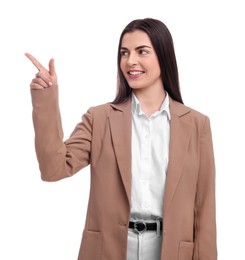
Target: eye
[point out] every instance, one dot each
(124, 53)
(143, 52)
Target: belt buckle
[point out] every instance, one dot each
(140, 227)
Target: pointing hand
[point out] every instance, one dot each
(44, 78)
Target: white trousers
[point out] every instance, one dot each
(145, 246)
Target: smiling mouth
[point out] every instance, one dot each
(135, 73)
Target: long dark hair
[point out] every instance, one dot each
(162, 43)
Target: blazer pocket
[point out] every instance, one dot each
(91, 246)
(186, 250)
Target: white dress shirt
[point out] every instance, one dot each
(150, 154)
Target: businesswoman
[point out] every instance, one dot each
(152, 166)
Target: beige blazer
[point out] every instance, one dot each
(103, 140)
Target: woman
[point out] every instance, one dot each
(152, 165)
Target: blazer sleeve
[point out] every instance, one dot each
(58, 159)
(205, 215)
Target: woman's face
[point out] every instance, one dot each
(139, 62)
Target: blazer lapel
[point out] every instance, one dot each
(120, 120)
(180, 132)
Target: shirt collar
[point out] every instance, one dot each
(136, 107)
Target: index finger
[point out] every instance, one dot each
(35, 62)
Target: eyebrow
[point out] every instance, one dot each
(137, 48)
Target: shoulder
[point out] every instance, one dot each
(101, 108)
(190, 115)
(107, 108)
(99, 112)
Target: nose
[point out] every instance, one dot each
(132, 60)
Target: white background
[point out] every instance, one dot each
(44, 221)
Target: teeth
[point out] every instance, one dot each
(135, 72)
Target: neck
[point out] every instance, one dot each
(151, 100)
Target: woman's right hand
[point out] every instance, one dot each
(44, 78)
